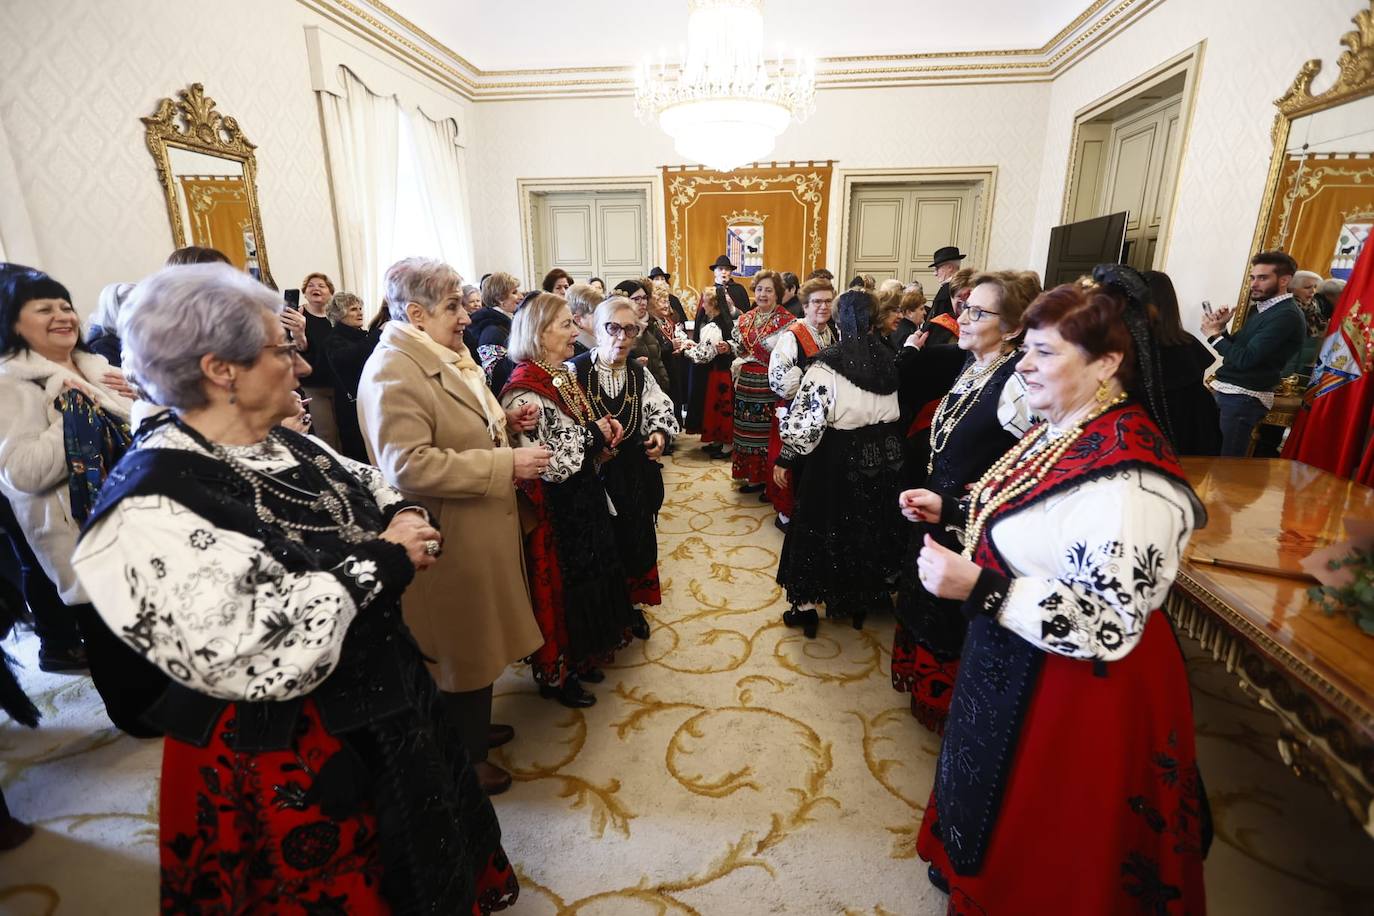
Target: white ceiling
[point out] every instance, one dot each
(545, 34)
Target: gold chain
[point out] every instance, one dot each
(574, 398)
(629, 399)
(942, 424)
(1021, 470)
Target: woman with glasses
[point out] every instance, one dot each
(982, 414)
(577, 582)
(756, 333)
(651, 345)
(711, 354)
(632, 476)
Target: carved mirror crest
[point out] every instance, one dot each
(208, 173)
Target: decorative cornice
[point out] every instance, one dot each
(385, 26)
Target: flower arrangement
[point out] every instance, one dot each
(1354, 596)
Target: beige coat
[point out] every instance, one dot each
(427, 432)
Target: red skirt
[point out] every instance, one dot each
(929, 681)
(236, 835)
(645, 589)
(780, 497)
(718, 418)
(1103, 806)
(550, 663)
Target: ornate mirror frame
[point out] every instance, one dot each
(191, 122)
(1355, 81)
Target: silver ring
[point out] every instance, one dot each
(432, 548)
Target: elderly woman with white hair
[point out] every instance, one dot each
(439, 435)
(621, 389)
(306, 756)
(101, 336)
(577, 581)
(1304, 286)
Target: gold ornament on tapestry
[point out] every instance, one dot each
(746, 217)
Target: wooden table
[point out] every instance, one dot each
(1314, 671)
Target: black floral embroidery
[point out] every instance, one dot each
(159, 566)
(1143, 882)
(202, 539)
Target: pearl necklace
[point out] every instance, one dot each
(944, 422)
(1021, 470)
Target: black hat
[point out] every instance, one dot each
(948, 253)
(659, 272)
(723, 261)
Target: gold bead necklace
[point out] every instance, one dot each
(1021, 470)
(574, 398)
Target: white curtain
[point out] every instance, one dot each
(360, 133)
(443, 176)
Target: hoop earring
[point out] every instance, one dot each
(1104, 392)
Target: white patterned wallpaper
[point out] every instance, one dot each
(78, 75)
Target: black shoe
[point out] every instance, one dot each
(751, 488)
(712, 450)
(570, 694)
(763, 497)
(779, 524)
(63, 661)
(858, 620)
(592, 676)
(721, 455)
(640, 628)
(937, 879)
(808, 620)
(498, 734)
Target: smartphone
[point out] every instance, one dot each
(1207, 306)
(293, 299)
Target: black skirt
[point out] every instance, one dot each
(844, 543)
(634, 482)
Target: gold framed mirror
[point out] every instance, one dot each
(208, 173)
(1318, 202)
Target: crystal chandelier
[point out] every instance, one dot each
(722, 106)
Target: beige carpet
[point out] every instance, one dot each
(730, 767)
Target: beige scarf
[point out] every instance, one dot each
(461, 363)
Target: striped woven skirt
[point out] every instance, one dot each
(754, 416)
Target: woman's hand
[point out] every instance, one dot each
(780, 477)
(611, 431)
(414, 532)
(722, 347)
(523, 418)
(944, 573)
(653, 449)
(294, 323)
(531, 461)
(116, 382)
(81, 387)
(300, 423)
(918, 340)
(920, 505)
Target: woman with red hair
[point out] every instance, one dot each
(1071, 710)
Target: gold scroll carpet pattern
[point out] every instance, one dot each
(729, 767)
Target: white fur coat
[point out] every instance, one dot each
(33, 461)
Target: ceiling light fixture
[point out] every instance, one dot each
(722, 105)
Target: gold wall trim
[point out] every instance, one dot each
(387, 27)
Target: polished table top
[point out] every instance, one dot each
(1273, 513)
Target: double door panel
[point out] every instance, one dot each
(894, 231)
(592, 235)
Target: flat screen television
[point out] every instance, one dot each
(1076, 248)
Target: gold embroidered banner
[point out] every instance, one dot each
(219, 216)
(766, 217)
(1327, 212)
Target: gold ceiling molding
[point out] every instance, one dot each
(386, 27)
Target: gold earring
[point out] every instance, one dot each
(1104, 392)
(233, 392)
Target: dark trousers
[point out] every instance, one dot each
(470, 713)
(53, 622)
(1240, 414)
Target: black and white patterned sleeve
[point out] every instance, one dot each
(804, 423)
(554, 430)
(215, 611)
(658, 415)
(784, 376)
(704, 350)
(1114, 569)
(737, 343)
(1013, 407)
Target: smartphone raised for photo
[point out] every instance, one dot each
(1207, 306)
(293, 299)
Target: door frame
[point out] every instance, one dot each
(528, 188)
(984, 175)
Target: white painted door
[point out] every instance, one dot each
(592, 234)
(1140, 176)
(895, 230)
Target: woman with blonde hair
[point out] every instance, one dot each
(491, 323)
(577, 581)
(711, 355)
(755, 334)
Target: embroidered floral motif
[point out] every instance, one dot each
(202, 539)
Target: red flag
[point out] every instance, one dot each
(1332, 427)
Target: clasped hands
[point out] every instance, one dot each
(944, 573)
(413, 531)
(1214, 322)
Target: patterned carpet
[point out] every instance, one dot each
(730, 767)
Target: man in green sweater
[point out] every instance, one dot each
(1253, 359)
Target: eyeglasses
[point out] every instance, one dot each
(287, 349)
(639, 298)
(975, 313)
(628, 331)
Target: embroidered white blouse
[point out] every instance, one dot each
(213, 609)
(656, 415)
(784, 375)
(1090, 564)
(826, 398)
(704, 350)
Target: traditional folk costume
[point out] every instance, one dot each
(1068, 663)
(307, 765)
(844, 544)
(577, 582)
(790, 358)
(756, 333)
(711, 372)
(633, 481)
(974, 424)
